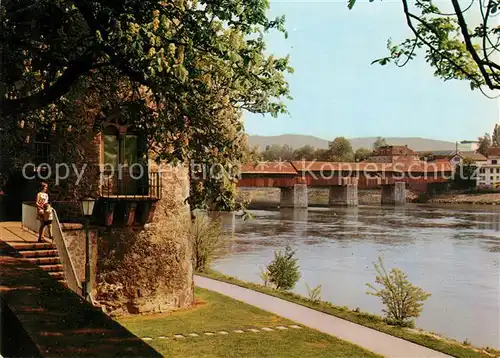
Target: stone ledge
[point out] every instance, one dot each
(55, 320)
(71, 226)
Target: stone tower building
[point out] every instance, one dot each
(141, 257)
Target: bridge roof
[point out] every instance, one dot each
(420, 166)
(302, 166)
(292, 168)
(269, 168)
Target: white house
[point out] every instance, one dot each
(489, 173)
(456, 157)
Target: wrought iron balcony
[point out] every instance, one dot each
(121, 184)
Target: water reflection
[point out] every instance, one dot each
(452, 252)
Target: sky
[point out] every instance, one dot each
(337, 92)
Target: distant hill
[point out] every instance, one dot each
(299, 140)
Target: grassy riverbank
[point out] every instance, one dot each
(215, 313)
(426, 339)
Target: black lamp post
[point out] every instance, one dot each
(87, 208)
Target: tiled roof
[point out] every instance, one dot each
(303, 166)
(439, 153)
(394, 150)
(494, 152)
(269, 168)
(335, 166)
(421, 166)
(473, 155)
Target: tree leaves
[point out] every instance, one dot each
(450, 47)
(166, 60)
(283, 271)
(403, 300)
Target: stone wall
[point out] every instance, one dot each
(138, 269)
(149, 269)
(81, 151)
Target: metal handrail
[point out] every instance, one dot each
(122, 184)
(31, 222)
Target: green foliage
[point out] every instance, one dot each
(379, 142)
(283, 270)
(207, 241)
(455, 48)
(276, 152)
(182, 72)
(362, 154)
(314, 293)
(321, 154)
(403, 300)
(466, 174)
(307, 153)
(495, 138)
(264, 276)
(340, 150)
(484, 144)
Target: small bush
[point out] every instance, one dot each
(403, 300)
(283, 270)
(264, 276)
(314, 294)
(207, 241)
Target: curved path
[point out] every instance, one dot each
(365, 337)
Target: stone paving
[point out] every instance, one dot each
(223, 333)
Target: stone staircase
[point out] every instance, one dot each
(44, 255)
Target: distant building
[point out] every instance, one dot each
(393, 153)
(489, 173)
(477, 157)
(455, 157)
(468, 146)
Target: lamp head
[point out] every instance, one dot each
(87, 206)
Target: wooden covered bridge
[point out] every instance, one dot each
(344, 179)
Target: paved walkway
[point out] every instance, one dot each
(13, 232)
(367, 338)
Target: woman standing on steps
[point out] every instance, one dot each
(42, 201)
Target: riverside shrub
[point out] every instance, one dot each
(284, 270)
(403, 300)
(207, 241)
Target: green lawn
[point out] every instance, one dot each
(438, 343)
(214, 313)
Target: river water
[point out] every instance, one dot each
(452, 252)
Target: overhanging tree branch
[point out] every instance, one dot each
(409, 17)
(63, 84)
(470, 47)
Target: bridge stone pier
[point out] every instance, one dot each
(394, 194)
(294, 197)
(345, 195)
